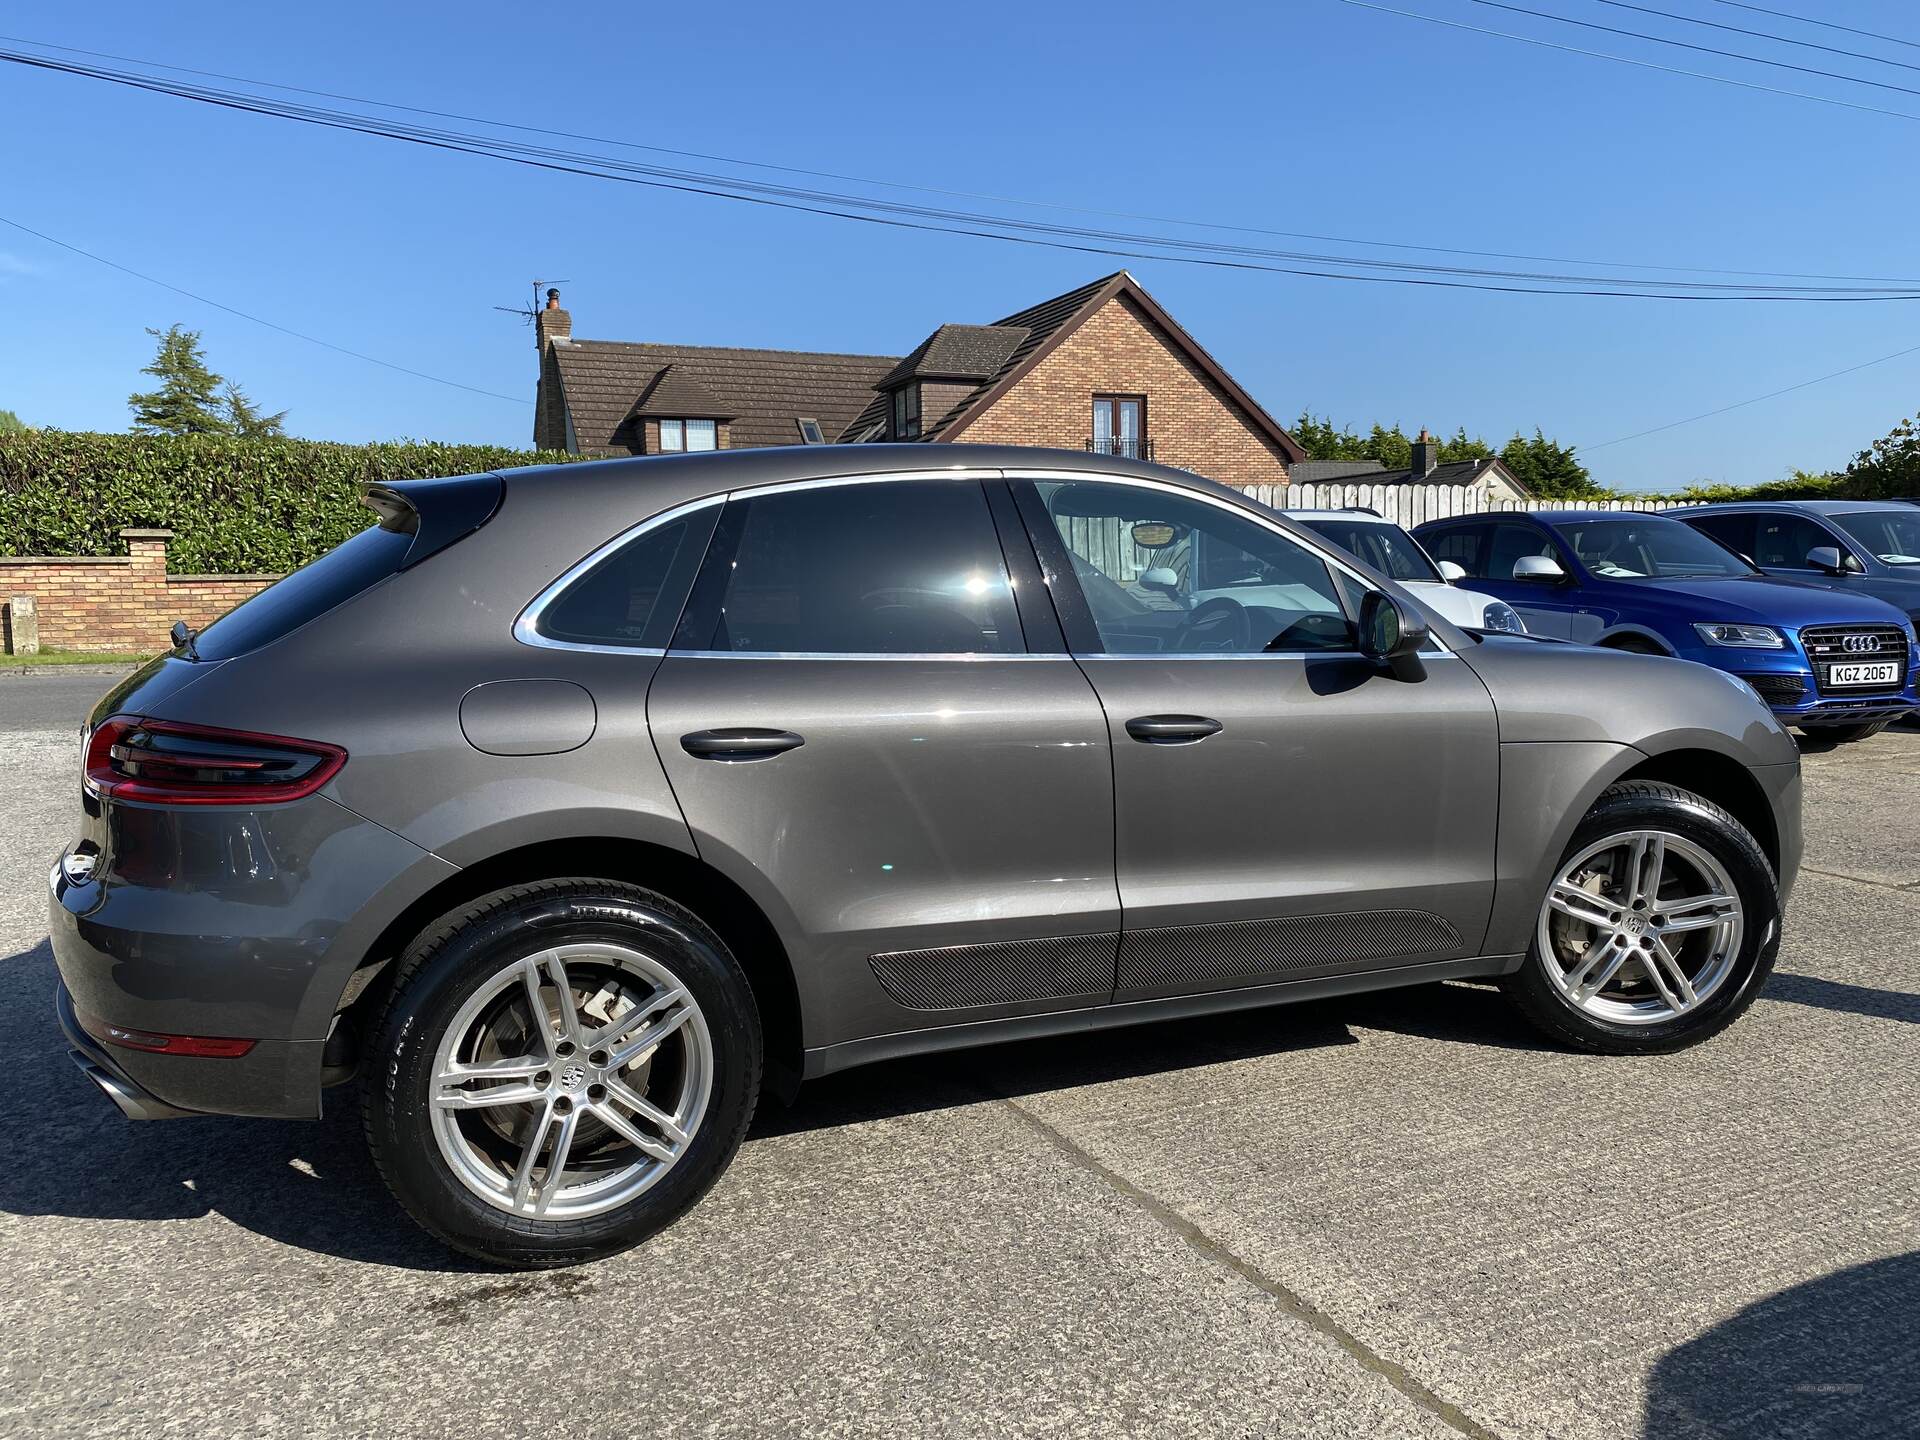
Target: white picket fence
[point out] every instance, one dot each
(1412, 505)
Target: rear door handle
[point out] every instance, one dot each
(744, 742)
(1172, 729)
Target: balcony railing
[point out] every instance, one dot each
(1130, 447)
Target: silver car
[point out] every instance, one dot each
(568, 809)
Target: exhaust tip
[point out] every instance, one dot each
(132, 1102)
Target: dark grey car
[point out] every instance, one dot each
(566, 807)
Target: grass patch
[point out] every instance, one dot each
(69, 657)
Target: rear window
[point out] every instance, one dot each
(309, 592)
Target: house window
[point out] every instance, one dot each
(677, 435)
(906, 413)
(810, 431)
(1120, 426)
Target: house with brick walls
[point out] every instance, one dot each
(1102, 368)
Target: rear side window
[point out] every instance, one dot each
(1733, 531)
(309, 592)
(631, 598)
(1464, 545)
(894, 567)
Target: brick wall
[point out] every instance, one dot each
(1120, 351)
(118, 603)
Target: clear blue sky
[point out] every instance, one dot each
(1307, 115)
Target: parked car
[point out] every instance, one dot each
(568, 807)
(1393, 552)
(1838, 666)
(1868, 547)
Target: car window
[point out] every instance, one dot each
(1643, 547)
(1465, 546)
(1167, 574)
(895, 567)
(1891, 536)
(632, 597)
(1733, 531)
(1511, 542)
(1384, 546)
(309, 592)
(1781, 542)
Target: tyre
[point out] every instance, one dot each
(1659, 928)
(562, 1070)
(1844, 734)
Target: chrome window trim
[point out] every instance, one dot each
(1311, 547)
(971, 657)
(826, 482)
(1159, 655)
(526, 626)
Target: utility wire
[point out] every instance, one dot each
(1828, 24)
(1070, 238)
(1637, 64)
(1697, 49)
(1758, 34)
(256, 319)
(1742, 404)
(935, 190)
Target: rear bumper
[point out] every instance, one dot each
(132, 1099)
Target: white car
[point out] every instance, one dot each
(1379, 542)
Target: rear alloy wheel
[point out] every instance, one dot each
(562, 1071)
(1659, 927)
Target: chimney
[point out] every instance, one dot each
(1426, 454)
(552, 325)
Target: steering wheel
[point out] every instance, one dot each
(1218, 624)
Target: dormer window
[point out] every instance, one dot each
(906, 413)
(679, 435)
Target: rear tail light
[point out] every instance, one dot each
(164, 762)
(206, 1047)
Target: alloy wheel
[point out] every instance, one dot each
(1640, 928)
(571, 1081)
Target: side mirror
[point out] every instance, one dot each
(1451, 572)
(1829, 559)
(1540, 568)
(1392, 635)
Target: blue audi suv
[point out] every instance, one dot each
(1866, 547)
(1839, 666)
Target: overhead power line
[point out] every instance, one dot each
(869, 180)
(1742, 404)
(256, 319)
(1637, 64)
(1697, 49)
(1006, 229)
(1827, 24)
(1759, 34)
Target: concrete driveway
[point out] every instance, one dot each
(1390, 1216)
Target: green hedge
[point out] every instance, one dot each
(234, 506)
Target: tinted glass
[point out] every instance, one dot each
(1511, 543)
(1465, 546)
(312, 590)
(906, 567)
(1893, 536)
(632, 597)
(1733, 531)
(1387, 548)
(1647, 547)
(1781, 542)
(1164, 573)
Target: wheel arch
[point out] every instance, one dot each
(1721, 779)
(1620, 636)
(732, 913)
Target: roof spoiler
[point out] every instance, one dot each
(434, 512)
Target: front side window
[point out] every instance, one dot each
(1165, 573)
(1892, 537)
(894, 567)
(1387, 548)
(906, 413)
(1648, 547)
(1781, 542)
(1511, 542)
(631, 598)
(681, 435)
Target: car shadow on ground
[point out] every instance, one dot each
(1834, 1359)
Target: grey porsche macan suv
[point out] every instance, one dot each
(565, 808)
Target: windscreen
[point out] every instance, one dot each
(1890, 536)
(1387, 548)
(1648, 547)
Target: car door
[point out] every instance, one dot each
(1548, 606)
(1283, 807)
(862, 738)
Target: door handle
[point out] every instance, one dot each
(1172, 729)
(740, 743)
